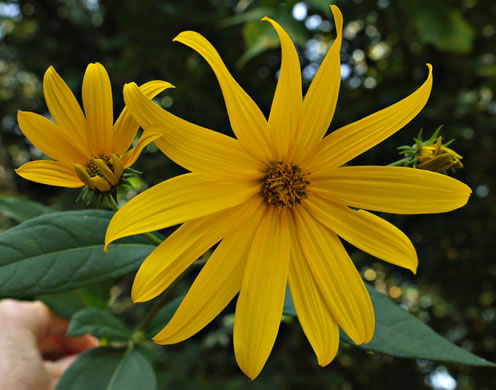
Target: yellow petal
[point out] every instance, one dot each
(317, 322)
(182, 248)
(50, 172)
(287, 98)
(320, 101)
(336, 277)
(106, 172)
(98, 107)
(125, 126)
(117, 164)
(193, 147)
(51, 139)
(218, 282)
(393, 189)
(366, 231)
(175, 201)
(261, 299)
(64, 108)
(132, 155)
(247, 121)
(99, 183)
(349, 141)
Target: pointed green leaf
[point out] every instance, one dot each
(64, 251)
(21, 210)
(398, 333)
(109, 369)
(98, 323)
(163, 316)
(66, 304)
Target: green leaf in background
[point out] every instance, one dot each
(322, 5)
(163, 316)
(21, 210)
(109, 369)
(253, 15)
(98, 323)
(398, 333)
(66, 304)
(442, 26)
(260, 36)
(63, 251)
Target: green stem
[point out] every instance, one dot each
(399, 162)
(115, 207)
(152, 238)
(149, 316)
(112, 202)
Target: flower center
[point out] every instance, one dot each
(285, 185)
(93, 169)
(101, 174)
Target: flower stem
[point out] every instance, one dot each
(112, 202)
(151, 314)
(399, 162)
(152, 238)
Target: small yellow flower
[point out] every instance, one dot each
(438, 158)
(277, 199)
(87, 149)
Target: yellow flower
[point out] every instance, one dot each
(276, 199)
(438, 158)
(87, 149)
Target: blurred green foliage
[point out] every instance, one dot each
(386, 45)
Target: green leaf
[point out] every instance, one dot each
(398, 333)
(66, 304)
(443, 27)
(163, 316)
(253, 15)
(21, 210)
(260, 36)
(64, 251)
(323, 5)
(98, 323)
(109, 369)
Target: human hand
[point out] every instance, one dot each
(34, 352)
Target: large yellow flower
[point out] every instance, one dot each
(276, 199)
(87, 149)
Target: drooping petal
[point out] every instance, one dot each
(181, 249)
(132, 155)
(287, 98)
(247, 121)
(193, 147)
(98, 107)
(320, 101)
(349, 141)
(64, 108)
(336, 278)
(397, 190)
(51, 139)
(317, 322)
(125, 127)
(366, 231)
(218, 282)
(50, 172)
(261, 299)
(175, 201)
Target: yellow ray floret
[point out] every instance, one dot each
(278, 201)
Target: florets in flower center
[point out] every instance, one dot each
(285, 185)
(93, 169)
(101, 174)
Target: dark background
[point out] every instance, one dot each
(386, 45)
